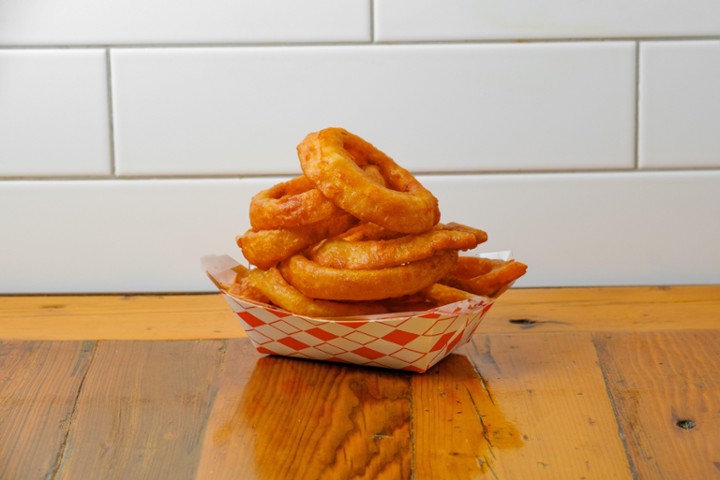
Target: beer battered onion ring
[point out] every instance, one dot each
(290, 204)
(444, 294)
(295, 203)
(272, 284)
(367, 246)
(317, 281)
(242, 287)
(484, 276)
(265, 248)
(332, 160)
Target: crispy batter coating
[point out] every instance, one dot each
(242, 287)
(265, 248)
(317, 281)
(296, 203)
(290, 204)
(272, 284)
(332, 160)
(483, 276)
(369, 246)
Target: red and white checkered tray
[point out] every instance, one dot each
(413, 341)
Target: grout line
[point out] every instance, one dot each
(111, 113)
(251, 44)
(372, 21)
(637, 106)
(277, 175)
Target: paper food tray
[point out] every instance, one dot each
(412, 341)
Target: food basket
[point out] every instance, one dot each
(411, 341)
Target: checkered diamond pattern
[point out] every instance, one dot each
(414, 343)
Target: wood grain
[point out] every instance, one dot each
(582, 384)
(458, 427)
(543, 310)
(605, 309)
(39, 383)
(117, 317)
(308, 420)
(666, 388)
(142, 410)
(551, 389)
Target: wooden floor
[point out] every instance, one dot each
(587, 383)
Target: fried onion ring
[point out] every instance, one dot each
(408, 303)
(272, 284)
(242, 287)
(290, 204)
(434, 296)
(296, 202)
(265, 248)
(332, 159)
(484, 276)
(370, 246)
(444, 294)
(317, 281)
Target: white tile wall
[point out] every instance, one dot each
(114, 235)
(618, 228)
(484, 107)
(88, 22)
(53, 113)
(572, 229)
(680, 104)
(133, 134)
(429, 20)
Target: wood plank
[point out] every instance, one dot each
(120, 317)
(298, 419)
(540, 410)
(459, 428)
(159, 317)
(142, 410)
(39, 382)
(605, 309)
(658, 379)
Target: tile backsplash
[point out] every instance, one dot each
(133, 134)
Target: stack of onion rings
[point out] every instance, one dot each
(357, 234)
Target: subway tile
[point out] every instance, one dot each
(86, 22)
(53, 113)
(434, 108)
(428, 20)
(118, 236)
(576, 229)
(594, 229)
(679, 113)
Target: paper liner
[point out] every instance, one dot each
(412, 341)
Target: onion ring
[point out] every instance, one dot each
(290, 204)
(295, 203)
(242, 287)
(272, 284)
(265, 248)
(317, 281)
(434, 296)
(332, 160)
(368, 246)
(444, 294)
(408, 303)
(484, 276)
